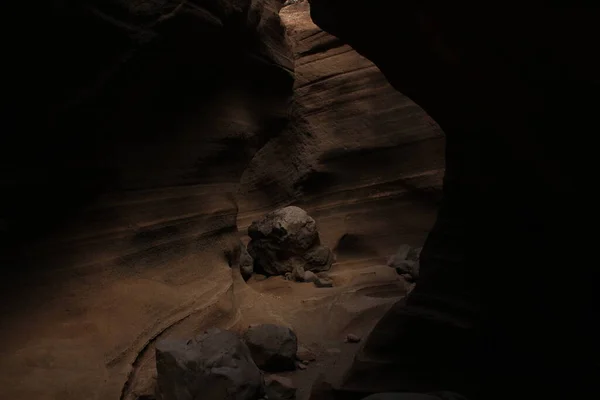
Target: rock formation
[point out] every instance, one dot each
(273, 347)
(142, 136)
(216, 365)
(287, 240)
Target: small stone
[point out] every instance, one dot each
(298, 273)
(305, 362)
(288, 276)
(352, 338)
(302, 366)
(324, 283)
(279, 388)
(304, 354)
(310, 276)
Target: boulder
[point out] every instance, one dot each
(279, 388)
(286, 239)
(273, 347)
(216, 365)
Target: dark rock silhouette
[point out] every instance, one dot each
(216, 365)
(273, 347)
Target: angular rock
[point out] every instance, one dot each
(279, 388)
(216, 365)
(273, 347)
(324, 282)
(285, 239)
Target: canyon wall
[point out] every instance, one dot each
(142, 137)
(364, 159)
(514, 91)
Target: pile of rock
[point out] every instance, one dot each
(406, 261)
(286, 241)
(218, 365)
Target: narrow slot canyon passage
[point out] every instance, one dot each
(311, 200)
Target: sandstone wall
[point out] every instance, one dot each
(142, 135)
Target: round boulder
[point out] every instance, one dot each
(286, 239)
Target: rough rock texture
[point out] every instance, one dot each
(214, 366)
(287, 240)
(273, 347)
(513, 91)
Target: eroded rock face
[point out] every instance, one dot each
(273, 347)
(216, 365)
(145, 116)
(286, 240)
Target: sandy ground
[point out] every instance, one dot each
(321, 317)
